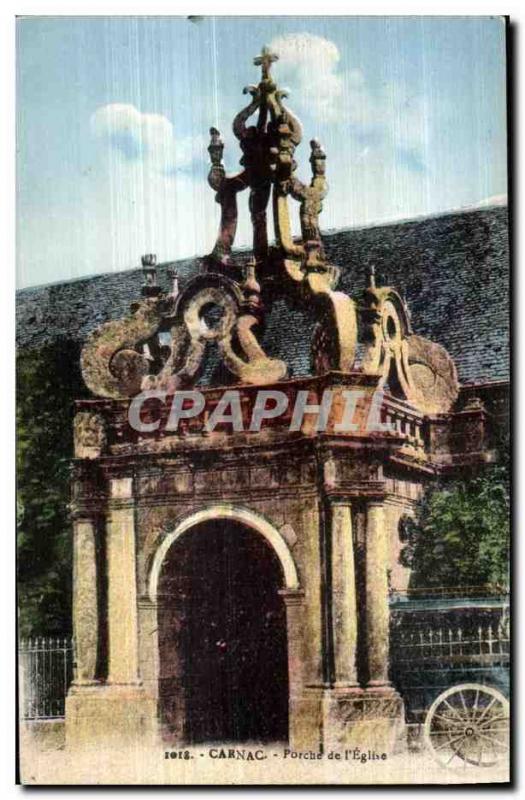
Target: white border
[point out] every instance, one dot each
(9, 9)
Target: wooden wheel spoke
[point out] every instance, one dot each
(495, 755)
(470, 722)
(494, 719)
(448, 720)
(494, 730)
(454, 754)
(475, 708)
(480, 754)
(454, 711)
(449, 743)
(486, 710)
(493, 741)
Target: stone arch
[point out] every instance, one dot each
(245, 516)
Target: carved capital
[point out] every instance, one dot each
(89, 435)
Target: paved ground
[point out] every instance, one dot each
(204, 765)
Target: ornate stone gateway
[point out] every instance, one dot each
(305, 515)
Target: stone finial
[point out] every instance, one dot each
(216, 147)
(173, 275)
(265, 61)
(267, 160)
(251, 284)
(251, 287)
(317, 158)
(149, 270)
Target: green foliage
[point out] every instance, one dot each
(48, 378)
(460, 535)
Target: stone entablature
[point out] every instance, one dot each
(370, 412)
(427, 442)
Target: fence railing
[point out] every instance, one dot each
(483, 590)
(45, 673)
(484, 645)
(46, 663)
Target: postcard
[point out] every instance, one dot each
(263, 400)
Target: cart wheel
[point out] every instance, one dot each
(468, 725)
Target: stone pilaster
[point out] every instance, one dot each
(109, 713)
(370, 717)
(293, 600)
(311, 582)
(297, 712)
(149, 666)
(377, 611)
(344, 607)
(85, 601)
(122, 585)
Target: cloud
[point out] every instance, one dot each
(387, 120)
(148, 138)
(493, 200)
(310, 63)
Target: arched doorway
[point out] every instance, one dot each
(222, 637)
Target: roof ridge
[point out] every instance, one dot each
(327, 233)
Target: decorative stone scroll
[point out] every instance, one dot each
(414, 368)
(212, 309)
(215, 309)
(434, 385)
(111, 363)
(335, 334)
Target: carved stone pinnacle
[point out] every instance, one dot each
(265, 60)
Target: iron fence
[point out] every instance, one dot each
(482, 590)
(430, 658)
(46, 663)
(483, 645)
(45, 673)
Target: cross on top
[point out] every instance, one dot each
(265, 60)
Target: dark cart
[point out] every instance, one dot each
(450, 662)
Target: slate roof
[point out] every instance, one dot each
(453, 270)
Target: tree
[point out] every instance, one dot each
(48, 378)
(460, 535)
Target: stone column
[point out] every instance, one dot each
(344, 608)
(377, 610)
(85, 601)
(122, 585)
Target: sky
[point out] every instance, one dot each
(113, 117)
